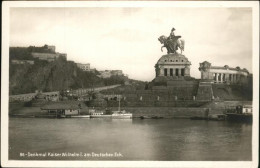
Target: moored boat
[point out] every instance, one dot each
(122, 115)
(240, 114)
(151, 117)
(145, 117)
(239, 117)
(74, 116)
(81, 116)
(157, 117)
(217, 117)
(99, 114)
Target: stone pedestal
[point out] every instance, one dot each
(176, 62)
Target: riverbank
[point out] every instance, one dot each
(18, 110)
(212, 108)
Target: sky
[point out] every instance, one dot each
(127, 38)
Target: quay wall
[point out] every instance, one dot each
(152, 103)
(215, 107)
(167, 112)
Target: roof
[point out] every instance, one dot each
(61, 106)
(230, 68)
(247, 106)
(173, 59)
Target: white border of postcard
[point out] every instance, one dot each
(193, 4)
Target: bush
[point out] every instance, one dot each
(28, 104)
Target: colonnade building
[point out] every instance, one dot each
(173, 65)
(224, 74)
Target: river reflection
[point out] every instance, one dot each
(165, 139)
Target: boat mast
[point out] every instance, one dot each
(119, 104)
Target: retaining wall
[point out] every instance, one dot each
(166, 112)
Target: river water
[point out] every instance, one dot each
(107, 139)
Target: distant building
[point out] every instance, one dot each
(109, 73)
(52, 48)
(225, 74)
(48, 56)
(22, 62)
(62, 108)
(105, 74)
(47, 53)
(93, 70)
(84, 67)
(117, 72)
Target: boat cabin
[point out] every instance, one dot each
(247, 109)
(96, 113)
(99, 112)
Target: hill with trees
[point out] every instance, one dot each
(51, 76)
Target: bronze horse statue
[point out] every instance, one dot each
(171, 44)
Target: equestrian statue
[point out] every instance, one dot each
(172, 43)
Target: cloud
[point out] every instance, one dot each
(130, 11)
(240, 14)
(126, 35)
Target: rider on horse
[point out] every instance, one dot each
(171, 42)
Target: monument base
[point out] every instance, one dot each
(173, 65)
